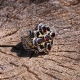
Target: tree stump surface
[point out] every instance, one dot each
(62, 62)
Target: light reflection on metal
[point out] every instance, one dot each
(39, 40)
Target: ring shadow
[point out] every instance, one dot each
(21, 52)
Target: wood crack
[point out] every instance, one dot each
(52, 76)
(7, 53)
(32, 72)
(9, 34)
(21, 72)
(60, 64)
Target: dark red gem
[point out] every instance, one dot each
(49, 47)
(52, 34)
(44, 29)
(46, 38)
(39, 41)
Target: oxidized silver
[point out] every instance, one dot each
(39, 40)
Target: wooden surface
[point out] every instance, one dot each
(62, 62)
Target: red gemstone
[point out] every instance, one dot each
(46, 38)
(44, 29)
(52, 34)
(39, 40)
(49, 47)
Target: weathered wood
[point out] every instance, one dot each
(62, 62)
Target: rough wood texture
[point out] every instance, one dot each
(63, 61)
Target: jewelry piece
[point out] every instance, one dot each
(39, 40)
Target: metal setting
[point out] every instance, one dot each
(39, 40)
